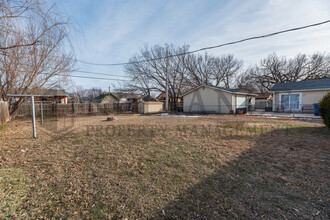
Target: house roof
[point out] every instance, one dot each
(102, 96)
(54, 92)
(316, 84)
(233, 91)
(263, 95)
(161, 95)
(120, 95)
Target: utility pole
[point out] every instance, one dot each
(167, 80)
(109, 89)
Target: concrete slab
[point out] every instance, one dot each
(285, 115)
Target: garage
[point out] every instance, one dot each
(211, 99)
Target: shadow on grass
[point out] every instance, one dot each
(282, 176)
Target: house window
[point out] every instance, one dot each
(285, 102)
(294, 101)
(290, 101)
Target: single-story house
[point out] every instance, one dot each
(127, 98)
(106, 98)
(123, 98)
(59, 96)
(211, 99)
(299, 96)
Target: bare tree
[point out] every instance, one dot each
(151, 75)
(246, 82)
(185, 71)
(93, 93)
(78, 93)
(200, 69)
(226, 67)
(274, 69)
(216, 71)
(12, 14)
(33, 49)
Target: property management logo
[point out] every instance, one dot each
(57, 127)
(147, 131)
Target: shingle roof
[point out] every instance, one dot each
(316, 84)
(54, 92)
(263, 95)
(229, 90)
(102, 96)
(235, 91)
(120, 95)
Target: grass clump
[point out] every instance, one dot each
(14, 187)
(2, 127)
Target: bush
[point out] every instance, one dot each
(325, 109)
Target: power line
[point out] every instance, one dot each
(97, 73)
(88, 77)
(211, 47)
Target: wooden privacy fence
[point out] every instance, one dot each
(4, 112)
(58, 110)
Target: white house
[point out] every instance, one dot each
(299, 96)
(211, 99)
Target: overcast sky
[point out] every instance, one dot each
(112, 31)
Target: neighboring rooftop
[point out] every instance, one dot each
(263, 95)
(120, 95)
(236, 91)
(230, 90)
(54, 92)
(102, 96)
(316, 84)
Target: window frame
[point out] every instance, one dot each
(290, 94)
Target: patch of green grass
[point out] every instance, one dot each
(280, 124)
(265, 122)
(14, 187)
(265, 127)
(240, 126)
(2, 127)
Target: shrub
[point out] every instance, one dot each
(325, 109)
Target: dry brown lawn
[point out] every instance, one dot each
(153, 167)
